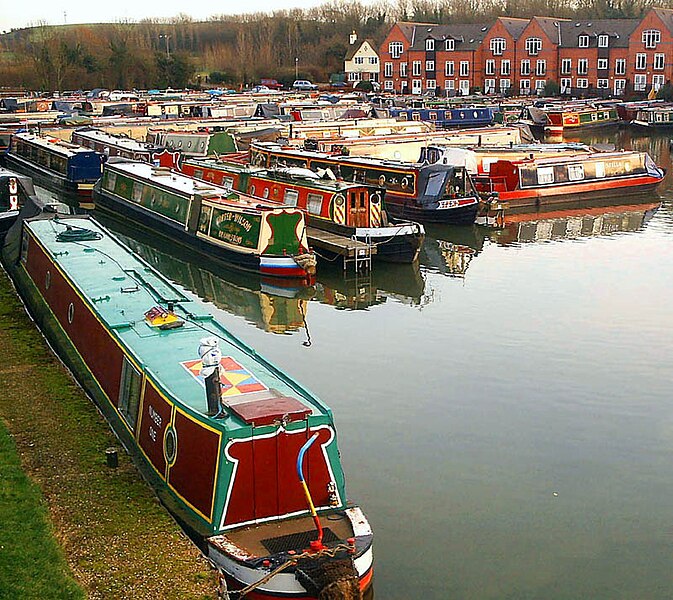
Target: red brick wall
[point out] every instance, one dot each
(650, 21)
(548, 53)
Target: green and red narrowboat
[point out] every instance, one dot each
(579, 117)
(243, 456)
(59, 166)
(585, 176)
(246, 233)
(352, 210)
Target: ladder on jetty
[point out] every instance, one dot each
(353, 251)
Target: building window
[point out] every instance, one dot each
(524, 87)
(373, 60)
(659, 62)
(464, 68)
(395, 49)
(449, 84)
(403, 69)
(582, 66)
(448, 68)
(505, 84)
(539, 84)
(489, 86)
(602, 64)
(641, 61)
(583, 41)
(541, 68)
(356, 76)
(525, 67)
(603, 41)
(602, 84)
(566, 66)
(620, 85)
(388, 70)
(582, 83)
(620, 66)
(639, 82)
(651, 37)
(498, 46)
(429, 45)
(490, 67)
(416, 86)
(429, 65)
(359, 60)
(505, 67)
(388, 85)
(416, 68)
(533, 46)
(566, 86)
(431, 84)
(657, 82)
(450, 45)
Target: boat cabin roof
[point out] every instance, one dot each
(121, 288)
(118, 140)
(53, 144)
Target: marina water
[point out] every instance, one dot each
(505, 412)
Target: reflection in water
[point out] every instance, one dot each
(450, 249)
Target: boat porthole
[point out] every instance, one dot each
(375, 199)
(339, 200)
(476, 114)
(382, 180)
(47, 280)
(189, 144)
(71, 312)
(405, 182)
(170, 445)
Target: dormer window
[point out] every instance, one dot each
(584, 41)
(603, 41)
(395, 49)
(429, 45)
(533, 46)
(450, 45)
(651, 37)
(498, 46)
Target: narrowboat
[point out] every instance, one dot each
(655, 117)
(243, 232)
(59, 166)
(14, 190)
(113, 144)
(414, 191)
(585, 176)
(352, 210)
(582, 117)
(200, 142)
(242, 455)
(469, 116)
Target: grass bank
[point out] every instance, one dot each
(79, 521)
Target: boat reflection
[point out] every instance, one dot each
(449, 250)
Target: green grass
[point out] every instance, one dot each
(32, 564)
(115, 539)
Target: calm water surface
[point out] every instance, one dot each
(505, 413)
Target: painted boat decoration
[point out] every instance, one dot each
(243, 456)
(418, 192)
(243, 232)
(59, 166)
(111, 144)
(539, 181)
(348, 209)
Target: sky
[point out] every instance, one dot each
(23, 14)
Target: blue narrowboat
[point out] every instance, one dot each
(474, 116)
(59, 166)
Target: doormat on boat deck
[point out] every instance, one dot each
(297, 541)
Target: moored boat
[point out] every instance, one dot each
(243, 456)
(110, 144)
(244, 232)
(14, 191)
(353, 210)
(585, 176)
(59, 166)
(418, 192)
(571, 117)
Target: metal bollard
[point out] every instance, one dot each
(112, 458)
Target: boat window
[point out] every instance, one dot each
(314, 204)
(435, 183)
(137, 191)
(575, 172)
(110, 181)
(600, 169)
(545, 175)
(129, 393)
(71, 312)
(198, 173)
(228, 182)
(265, 193)
(204, 219)
(290, 198)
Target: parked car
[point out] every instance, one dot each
(271, 83)
(304, 85)
(260, 89)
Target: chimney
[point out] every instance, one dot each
(353, 38)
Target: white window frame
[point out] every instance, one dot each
(359, 60)
(449, 68)
(388, 69)
(641, 61)
(602, 64)
(505, 84)
(449, 84)
(431, 84)
(464, 68)
(490, 67)
(525, 67)
(566, 85)
(540, 67)
(659, 62)
(429, 65)
(489, 86)
(602, 84)
(540, 83)
(533, 46)
(620, 86)
(582, 83)
(403, 69)
(416, 68)
(388, 84)
(657, 82)
(505, 67)
(582, 66)
(620, 66)
(640, 82)
(429, 45)
(396, 49)
(651, 37)
(583, 41)
(524, 86)
(566, 66)
(498, 46)
(603, 40)
(450, 45)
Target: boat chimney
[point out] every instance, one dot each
(210, 354)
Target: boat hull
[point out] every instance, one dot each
(269, 266)
(462, 214)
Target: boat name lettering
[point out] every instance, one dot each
(155, 416)
(230, 237)
(239, 219)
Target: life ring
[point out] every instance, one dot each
(405, 182)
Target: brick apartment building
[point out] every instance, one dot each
(598, 57)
